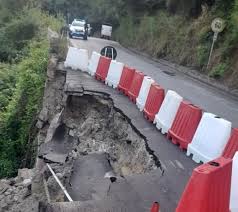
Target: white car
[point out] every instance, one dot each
(78, 28)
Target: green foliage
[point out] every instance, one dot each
(7, 84)
(23, 33)
(163, 35)
(59, 47)
(219, 70)
(15, 35)
(18, 116)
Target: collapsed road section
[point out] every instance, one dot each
(93, 149)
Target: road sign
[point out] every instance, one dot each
(218, 25)
(109, 51)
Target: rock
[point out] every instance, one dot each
(26, 182)
(8, 200)
(4, 206)
(5, 181)
(72, 133)
(10, 190)
(15, 198)
(37, 184)
(12, 181)
(3, 187)
(27, 193)
(53, 126)
(59, 108)
(55, 158)
(125, 171)
(39, 124)
(44, 116)
(24, 174)
(59, 175)
(51, 68)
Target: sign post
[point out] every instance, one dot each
(218, 26)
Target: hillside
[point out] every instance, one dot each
(178, 31)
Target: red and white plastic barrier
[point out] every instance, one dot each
(234, 185)
(102, 69)
(213, 186)
(114, 74)
(126, 80)
(185, 124)
(93, 63)
(135, 87)
(144, 91)
(155, 207)
(77, 59)
(165, 117)
(154, 101)
(208, 189)
(210, 138)
(232, 145)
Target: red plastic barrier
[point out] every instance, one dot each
(232, 145)
(185, 124)
(154, 101)
(208, 189)
(126, 79)
(155, 207)
(134, 90)
(102, 69)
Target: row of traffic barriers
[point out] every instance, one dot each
(202, 134)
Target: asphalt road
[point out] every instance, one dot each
(207, 97)
(177, 166)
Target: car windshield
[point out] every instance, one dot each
(80, 24)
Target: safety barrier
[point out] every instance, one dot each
(77, 59)
(144, 91)
(185, 124)
(208, 189)
(126, 79)
(154, 101)
(93, 63)
(134, 90)
(234, 185)
(232, 145)
(206, 136)
(114, 74)
(167, 112)
(155, 207)
(102, 69)
(210, 138)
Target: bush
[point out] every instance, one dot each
(219, 70)
(20, 113)
(7, 84)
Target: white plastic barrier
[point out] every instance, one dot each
(77, 59)
(210, 138)
(114, 73)
(234, 185)
(70, 59)
(144, 91)
(93, 63)
(166, 115)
